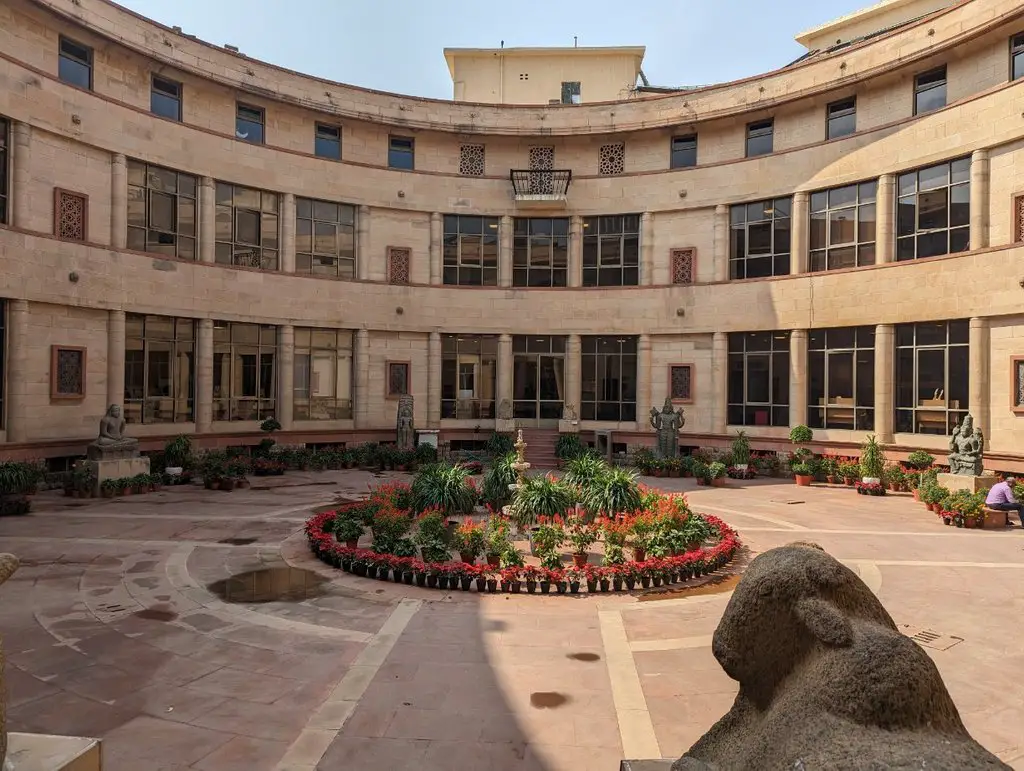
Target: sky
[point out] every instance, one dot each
(396, 45)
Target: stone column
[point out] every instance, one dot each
(573, 372)
(719, 383)
(798, 377)
(643, 382)
(721, 250)
(979, 199)
(434, 380)
(204, 377)
(285, 397)
(435, 248)
(800, 234)
(978, 381)
(361, 390)
(287, 235)
(115, 358)
(504, 373)
(119, 204)
(363, 243)
(208, 221)
(21, 174)
(885, 226)
(18, 385)
(505, 252)
(646, 249)
(575, 251)
(885, 352)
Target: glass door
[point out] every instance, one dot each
(550, 388)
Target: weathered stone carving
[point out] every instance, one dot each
(505, 409)
(966, 446)
(667, 423)
(112, 444)
(569, 412)
(8, 564)
(406, 438)
(826, 679)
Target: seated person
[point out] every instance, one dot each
(1001, 498)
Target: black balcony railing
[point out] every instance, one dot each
(548, 182)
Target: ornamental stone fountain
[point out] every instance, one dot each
(520, 466)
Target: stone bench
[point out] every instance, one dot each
(995, 518)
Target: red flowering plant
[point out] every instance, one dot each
(389, 526)
(869, 488)
(532, 574)
(470, 539)
(511, 575)
(554, 575)
(397, 495)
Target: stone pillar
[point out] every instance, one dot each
(363, 243)
(719, 383)
(800, 234)
(798, 377)
(721, 250)
(575, 251)
(646, 249)
(978, 381)
(885, 225)
(115, 358)
(505, 252)
(434, 380)
(643, 382)
(119, 205)
(435, 248)
(361, 390)
(18, 384)
(287, 235)
(21, 174)
(504, 373)
(285, 396)
(979, 199)
(208, 222)
(885, 353)
(204, 377)
(573, 372)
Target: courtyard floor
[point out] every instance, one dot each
(121, 624)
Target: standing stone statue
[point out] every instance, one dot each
(966, 446)
(667, 423)
(406, 438)
(112, 444)
(8, 564)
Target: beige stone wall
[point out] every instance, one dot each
(1006, 341)
(387, 347)
(695, 350)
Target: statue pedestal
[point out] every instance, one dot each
(117, 469)
(505, 426)
(568, 426)
(41, 752)
(972, 484)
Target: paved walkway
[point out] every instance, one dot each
(156, 623)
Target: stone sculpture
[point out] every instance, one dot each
(8, 564)
(826, 679)
(569, 413)
(112, 444)
(505, 409)
(667, 423)
(406, 438)
(966, 446)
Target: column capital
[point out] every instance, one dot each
(435, 336)
(362, 334)
(979, 322)
(435, 217)
(979, 155)
(720, 337)
(721, 209)
(119, 159)
(206, 323)
(798, 334)
(505, 337)
(800, 196)
(644, 340)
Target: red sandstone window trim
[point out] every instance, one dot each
(387, 382)
(55, 394)
(693, 373)
(1015, 406)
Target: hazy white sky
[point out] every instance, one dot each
(396, 45)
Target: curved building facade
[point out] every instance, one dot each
(210, 240)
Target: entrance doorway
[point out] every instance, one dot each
(538, 380)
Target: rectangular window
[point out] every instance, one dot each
(159, 369)
(244, 371)
(325, 238)
(470, 250)
(540, 251)
(758, 379)
(932, 376)
(468, 376)
(5, 128)
(398, 378)
(759, 239)
(1017, 56)
(1016, 379)
(74, 63)
(327, 142)
(842, 118)
(3, 353)
(611, 250)
(162, 210)
(322, 376)
(933, 212)
(249, 123)
(680, 382)
(165, 98)
(843, 227)
(571, 92)
(841, 378)
(67, 373)
(246, 227)
(401, 153)
(684, 152)
(608, 382)
(760, 137)
(930, 90)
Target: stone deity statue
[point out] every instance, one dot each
(406, 438)
(667, 423)
(112, 443)
(505, 409)
(965, 449)
(8, 564)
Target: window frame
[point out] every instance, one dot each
(452, 262)
(1017, 56)
(3, 362)
(952, 416)
(675, 153)
(671, 373)
(759, 129)
(88, 62)
(313, 254)
(181, 237)
(920, 90)
(591, 354)
(524, 245)
(838, 110)
(395, 152)
(863, 199)
(318, 127)
(234, 244)
(388, 369)
(961, 231)
(5, 171)
(593, 270)
(179, 344)
(304, 404)
(778, 258)
(259, 122)
(227, 407)
(480, 351)
(60, 396)
(567, 90)
(863, 343)
(179, 98)
(776, 349)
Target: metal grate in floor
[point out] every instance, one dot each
(928, 638)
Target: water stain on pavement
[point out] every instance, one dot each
(156, 614)
(547, 700)
(583, 656)
(270, 585)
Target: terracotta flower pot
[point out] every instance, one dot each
(579, 560)
(352, 543)
(848, 481)
(639, 555)
(493, 560)
(718, 482)
(468, 557)
(831, 478)
(803, 480)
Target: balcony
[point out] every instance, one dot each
(546, 188)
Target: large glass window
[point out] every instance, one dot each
(684, 152)
(244, 371)
(247, 227)
(401, 153)
(930, 90)
(5, 128)
(843, 227)
(468, 366)
(758, 382)
(325, 238)
(161, 211)
(470, 250)
(760, 137)
(165, 98)
(159, 369)
(74, 63)
(759, 239)
(249, 123)
(611, 250)
(540, 251)
(1017, 56)
(842, 118)
(327, 142)
(322, 374)
(932, 376)
(608, 383)
(841, 378)
(933, 216)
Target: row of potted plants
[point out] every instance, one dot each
(136, 485)
(19, 481)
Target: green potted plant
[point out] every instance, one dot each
(801, 456)
(741, 451)
(872, 461)
(496, 539)
(803, 473)
(920, 460)
(716, 474)
(469, 540)
(581, 535)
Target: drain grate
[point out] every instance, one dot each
(929, 638)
